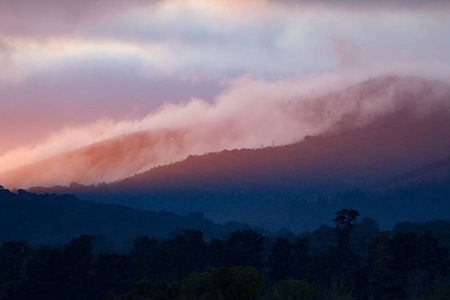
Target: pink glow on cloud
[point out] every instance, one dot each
(249, 114)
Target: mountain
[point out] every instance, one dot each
(381, 128)
(52, 219)
(437, 171)
(373, 104)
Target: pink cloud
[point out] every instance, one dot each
(251, 112)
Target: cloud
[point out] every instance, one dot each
(369, 4)
(250, 113)
(170, 38)
(43, 18)
(260, 37)
(247, 113)
(47, 102)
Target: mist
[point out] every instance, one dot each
(250, 113)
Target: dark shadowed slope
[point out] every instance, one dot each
(51, 219)
(358, 157)
(405, 131)
(437, 171)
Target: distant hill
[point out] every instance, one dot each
(51, 219)
(437, 171)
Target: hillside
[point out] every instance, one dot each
(295, 186)
(437, 171)
(381, 128)
(354, 113)
(51, 219)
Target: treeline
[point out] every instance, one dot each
(245, 265)
(51, 219)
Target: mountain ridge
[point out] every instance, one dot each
(123, 156)
(241, 185)
(300, 185)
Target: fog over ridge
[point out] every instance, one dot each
(84, 65)
(251, 113)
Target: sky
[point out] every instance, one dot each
(76, 72)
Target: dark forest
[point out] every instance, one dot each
(352, 259)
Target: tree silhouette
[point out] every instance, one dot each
(344, 222)
(145, 260)
(45, 274)
(77, 257)
(301, 258)
(345, 269)
(112, 272)
(216, 252)
(183, 254)
(245, 248)
(281, 260)
(236, 283)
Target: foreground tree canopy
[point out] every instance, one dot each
(246, 265)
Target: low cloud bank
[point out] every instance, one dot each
(250, 113)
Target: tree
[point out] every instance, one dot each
(301, 258)
(12, 260)
(245, 248)
(216, 252)
(344, 222)
(378, 263)
(13, 256)
(112, 273)
(281, 260)
(362, 235)
(183, 254)
(404, 263)
(45, 274)
(432, 261)
(235, 283)
(291, 289)
(148, 290)
(145, 260)
(345, 274)
(77, 263)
